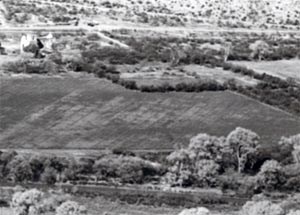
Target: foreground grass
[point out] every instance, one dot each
(5, 211)
(99, 205)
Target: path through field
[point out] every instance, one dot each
(180, 31)
(2, 15)
(89, 113)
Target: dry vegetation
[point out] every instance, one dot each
(230, 13)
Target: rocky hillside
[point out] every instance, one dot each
(224, 13)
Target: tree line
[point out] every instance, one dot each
(208, 161)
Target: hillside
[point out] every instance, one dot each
(223, 13)
(89, 113)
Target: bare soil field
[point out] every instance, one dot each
(87, 113)
(282, 68)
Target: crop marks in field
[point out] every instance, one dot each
(89, 113)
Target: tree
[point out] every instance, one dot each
(85, 166)
(198, 163)
(207, 170)
(243, 143)
(27, 203)
(5, 158)
(49, 176)
(23, 172)
(180, 170)
(57, 163)
(261, 208)
(71, 208)
(271, 175)
(20, 169)
(37, 166)
(208, 147)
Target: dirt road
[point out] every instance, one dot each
(159, 29)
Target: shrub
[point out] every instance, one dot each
(15, 67)
(128, 84)
(112, 54)
(148, 88)
(292, 143)
(128, 169)
(271, 175)
(71, 208)
(261, 208)
(293, 184)
(99, 69)
(49, 176)
(113, 77)
(294, 212)
(206, 173)
(291, 202)
(48, 66)
(19, 169)
(27, 203)
(53, 199)
(55, 57)
(93, 37)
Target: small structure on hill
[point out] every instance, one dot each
(48, 41)
(259, 49)
(40, 46)
(218, 49)
(26, 39)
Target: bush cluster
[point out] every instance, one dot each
(37, 67)
(207, 85)
(112, 166)
(231, 162)
(113, 55)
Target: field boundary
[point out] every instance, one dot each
(144, 196)
(266, 105)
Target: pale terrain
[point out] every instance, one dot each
(283, 69)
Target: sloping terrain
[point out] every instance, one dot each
(283, 69)
(89, 113)
(229, 13)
